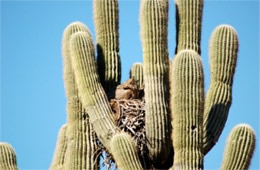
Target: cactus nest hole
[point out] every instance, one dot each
(129, 116)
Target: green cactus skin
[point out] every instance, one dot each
(7, 157)
(187, 110)
(60, 151)
(154, 25)
(91, 92)
(240, 148)
(188, 24)
(79, 132)
(122, 147)
(223, 58)
(137, 73)
(107, 34)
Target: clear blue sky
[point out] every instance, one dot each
(32, 92)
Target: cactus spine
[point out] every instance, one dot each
(79, 131)
(240, 148)
(188, 24)
(125, 155)
(136, 73)
(154, 25)
(107, 33)
(60, 151)
(7, 157)
(187, 110)
(223, 57)
(195, 126)
(91, 92)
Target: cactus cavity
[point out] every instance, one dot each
(187, 110)
(188, 24)
(107, 34)
(7, 157)
(240, 148)
(223, 57)
(154, 25)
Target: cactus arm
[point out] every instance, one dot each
(187, 110)
(188, 24)
(61, 149)
(240, 148)
(91, 92)
(7, 157)
(80, 148)
(136, 73)
(107, 34)
(223, 57)
(154, 25)
(122, 147)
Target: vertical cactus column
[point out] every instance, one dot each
(240, 148)
(154, 32)
(79, 132)
(187, 110)
(7, 157)
(122, 147)
(107, 34)
(136, 73)
(60, 151)
(223, 57)
(91, 92)
(188, 24)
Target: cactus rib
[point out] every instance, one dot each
(124, 151)
(136, 73)
(61, 149)
(7, 157)
(188, 24)
(154, 22)
(79, 131)
(223, 58)
(107, 34)
(239, 149)
(187, 110)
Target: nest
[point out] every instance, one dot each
(129, 115)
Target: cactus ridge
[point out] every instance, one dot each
(107, 34)
(61, 149)
(154, 23)
(7, 157)
(136, 73)
(91, 92)
(188, 24)
(187, 110)
(239, 149)
(223, 58)
(124, 150)
(80, 144)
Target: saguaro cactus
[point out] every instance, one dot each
(136, 73)
(177, 124)
(61, 148)
(154, 33)
(7, 157)
(240, 148)
(187, 110)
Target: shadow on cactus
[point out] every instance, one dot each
(159, 118)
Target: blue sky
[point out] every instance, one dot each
(32, 92)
